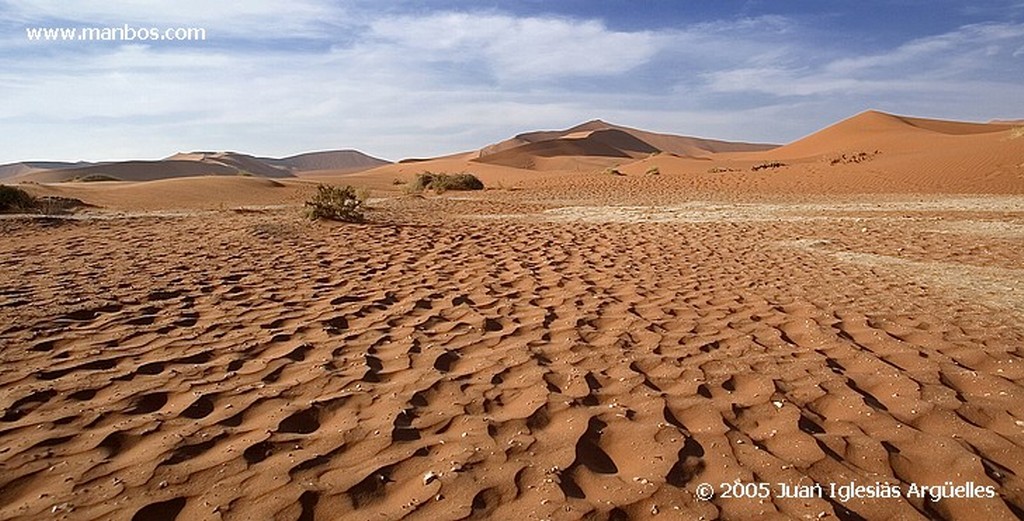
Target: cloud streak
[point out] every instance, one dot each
(962, 60)
(518, 50)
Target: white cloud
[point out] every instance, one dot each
(780, 81)
(966, 60)
(516, 48)
(927, 51)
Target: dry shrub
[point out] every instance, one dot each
(337, 203)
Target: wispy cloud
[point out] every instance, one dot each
(512, 48)
(947, 62)
(941, 51)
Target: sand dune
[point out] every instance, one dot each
(179, 165)
(188, 193)
(877, 152)
(243, 164)
(393, 177)
(872, 152)
(579, 346)
(599, 143)
(956, 128)
(16, 169)
(27, 167)
(681, 145)
(191, 164)
(601, 139)
(130, 171)
(873, 130)
(340, 161)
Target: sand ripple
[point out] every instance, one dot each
(255, 366)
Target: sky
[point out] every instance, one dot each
(423, 78)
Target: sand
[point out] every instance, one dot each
(188, 165)
(577, 345)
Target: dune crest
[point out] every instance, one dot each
(874, 130)
(601, 139)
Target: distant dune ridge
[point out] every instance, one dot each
(27, 167)
(599, 138)
(904, 152)
(336, 160)
(190, 164)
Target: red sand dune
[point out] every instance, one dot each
(185, 193)
(600, 143)
(873, 130)
(341, 161)
(597, 138)
(872, 152)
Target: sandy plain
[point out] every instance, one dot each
(571, 345)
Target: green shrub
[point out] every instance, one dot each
(14, 199)
(653, 171)
(613, 171)
(337, 203)
(443, 182)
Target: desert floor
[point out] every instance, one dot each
(550, 352)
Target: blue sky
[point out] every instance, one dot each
(406, 78)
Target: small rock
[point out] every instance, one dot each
(429, 477)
